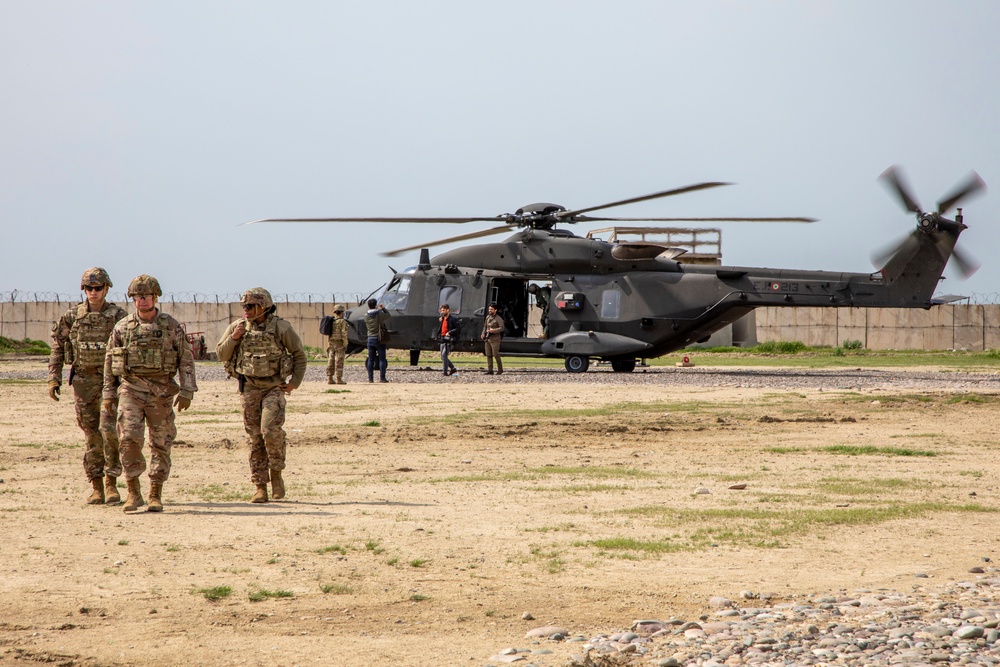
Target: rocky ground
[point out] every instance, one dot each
(673, 516)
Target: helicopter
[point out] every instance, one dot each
(624, 301)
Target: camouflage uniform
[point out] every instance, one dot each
(142, 360)
(80, 339)
(492, 335)
(267, 359)
(337, 347)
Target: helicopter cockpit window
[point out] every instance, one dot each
(451, 295)
(397, 293)
(611, 304)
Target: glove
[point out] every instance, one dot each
(182, 403)
(53, 390)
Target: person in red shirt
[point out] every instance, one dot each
(448, 332)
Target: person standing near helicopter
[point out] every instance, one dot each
(375, 320)
(492, 335)
(448, 331)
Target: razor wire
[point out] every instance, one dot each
(27, 296)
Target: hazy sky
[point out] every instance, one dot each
(138, 135)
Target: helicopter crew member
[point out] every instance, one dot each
(492, 335)
(375, 321)
(543, 295)
(267, 356)
(337, 347)
(145, 351)
(80, 339)
(448, 331)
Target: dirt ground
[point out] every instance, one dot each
(423, 520)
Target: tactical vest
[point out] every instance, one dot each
(260, 354)
(147, 349)
(88, 337)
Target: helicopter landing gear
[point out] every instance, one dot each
(577, 364)
(623, 365)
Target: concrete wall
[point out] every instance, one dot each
(970, 327)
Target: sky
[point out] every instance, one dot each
(137, 136)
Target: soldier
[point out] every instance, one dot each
(337, 346)
(492, 334)
(267, 357)
(543, 295)
(375, 320)
(146, 350)
(80, 339)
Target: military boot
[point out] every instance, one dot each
(340, 377)
(97, 497)
(329, 378)
(260, 495)
(134, 500)
(277, 485)
(111, 495)
(155, 504)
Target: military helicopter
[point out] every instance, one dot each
(619, 302)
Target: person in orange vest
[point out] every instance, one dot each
(448, 331)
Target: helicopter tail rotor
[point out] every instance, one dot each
(940, 230)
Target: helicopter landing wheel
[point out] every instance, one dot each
(577, 364)
(623, 365)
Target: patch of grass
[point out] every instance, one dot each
(336, 589)
(333, 548)
(866, 450)
(337, 391)
(769, 528)
(123, 543)
(24, 346)
(374, 547)
(173, 547)
(417, 597)
(534, 474)
(644, 546)
(215, 593)
(261, 594)
(372, 422)
(217, 492)
(972, 398)
(419, 562)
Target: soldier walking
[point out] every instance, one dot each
(80, 339)
(145, 351)
(266, 355)
(492, 335)
(337, 347)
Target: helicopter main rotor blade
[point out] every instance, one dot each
(972, 185)
(590, 219)
(633, 200)
(492, 218)
(893, 178)
(964, 263)
(452, 239)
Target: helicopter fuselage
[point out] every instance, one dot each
(606, 302)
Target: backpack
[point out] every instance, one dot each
(326, 325)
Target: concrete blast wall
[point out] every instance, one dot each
(970, 327)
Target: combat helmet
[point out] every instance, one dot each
(144, 284)
(95, 276)
(257, 296)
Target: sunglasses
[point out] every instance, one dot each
(91, 288)
(249, 306)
